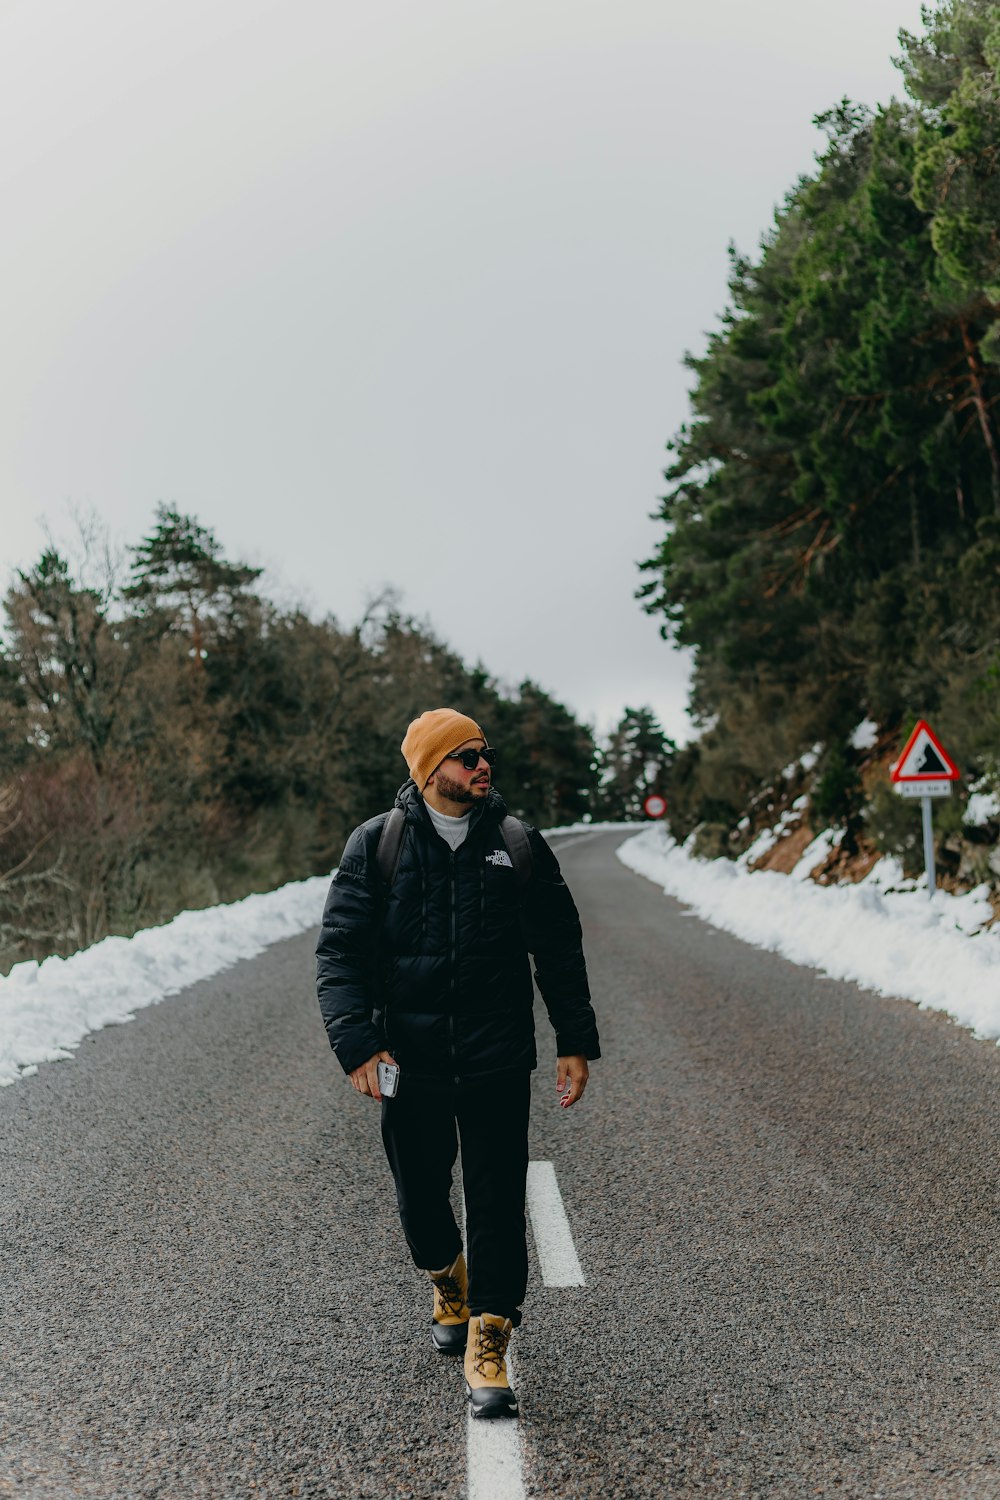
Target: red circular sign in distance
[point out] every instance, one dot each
(655, 805)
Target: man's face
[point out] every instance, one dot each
(453, 781)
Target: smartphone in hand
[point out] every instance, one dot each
(388, 1079)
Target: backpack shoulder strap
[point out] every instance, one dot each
(390, 845)
(515, 836)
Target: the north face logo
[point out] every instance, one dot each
(500, 857)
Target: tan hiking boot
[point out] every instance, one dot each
(486, 1380)
(451, 1311)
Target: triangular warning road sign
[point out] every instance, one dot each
(924, 758)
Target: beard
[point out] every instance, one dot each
(459, 791)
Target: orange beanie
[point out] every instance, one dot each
(433, 736)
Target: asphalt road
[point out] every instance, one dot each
(783, 1192)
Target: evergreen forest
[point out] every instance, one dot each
(830, 541)
(171, 739)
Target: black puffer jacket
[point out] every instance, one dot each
(436, 968)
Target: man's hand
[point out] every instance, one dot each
(571, 1079)
(365, 1078)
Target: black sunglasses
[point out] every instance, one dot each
(471, 758)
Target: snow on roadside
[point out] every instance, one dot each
(895, 942)
(47, 1008)
(815, 854)
(882, 932)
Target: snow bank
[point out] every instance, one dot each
(883, 933)
(47, 1008)
(895, 942)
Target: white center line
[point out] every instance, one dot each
(559, 1262)
(494, 1455)
(494, 1458)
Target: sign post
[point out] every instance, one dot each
(926, 804)
(925, 770)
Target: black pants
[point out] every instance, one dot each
(420, 1131)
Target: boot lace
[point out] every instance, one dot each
(450, 1296)
(491, 1349)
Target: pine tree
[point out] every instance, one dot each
(180, 576)
(635, 763)
(839, 481)
(66, 661)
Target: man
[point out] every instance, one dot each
(423, 962)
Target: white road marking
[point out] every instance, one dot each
(494, 1464)
(560, 1264)
(495, 1458)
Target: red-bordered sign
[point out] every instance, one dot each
(924, 758)
(655, 805)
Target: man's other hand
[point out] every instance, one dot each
(571, 1079)
(365, 1078)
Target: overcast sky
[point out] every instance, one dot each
(396, 292)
